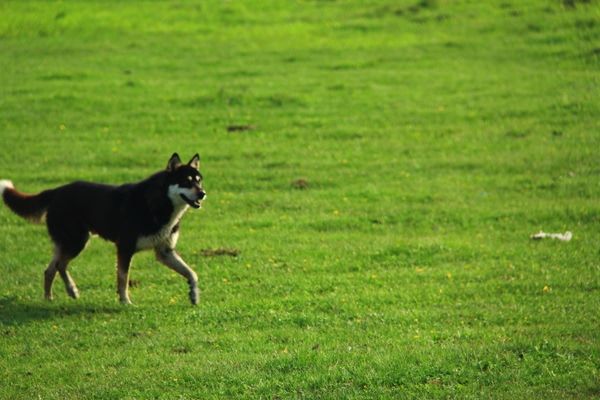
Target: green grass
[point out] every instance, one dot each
(434, 137)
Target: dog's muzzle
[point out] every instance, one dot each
(194, 203)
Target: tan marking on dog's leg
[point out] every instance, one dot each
(172, 260)
(49, 275)
(123, 263)
(70, 286)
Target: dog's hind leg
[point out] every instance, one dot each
(123, 263)
(70, 286)
(59, 264)
(172, 260)
(49, 275)
(70, 238)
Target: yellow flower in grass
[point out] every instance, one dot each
(547, 289)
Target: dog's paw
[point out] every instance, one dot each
(73, 292)
(125, 302)
(194, 295)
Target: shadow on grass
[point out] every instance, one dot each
(13, 312)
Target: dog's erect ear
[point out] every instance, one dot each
(195, 161)
(174, 162)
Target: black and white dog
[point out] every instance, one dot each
(135, 216)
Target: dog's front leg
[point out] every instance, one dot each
(172, 260)
(123, 263)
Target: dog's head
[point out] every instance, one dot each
(185, 182)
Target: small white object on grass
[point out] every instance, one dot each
(565, 237)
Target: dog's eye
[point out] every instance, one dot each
(197, 178)
(189, 178)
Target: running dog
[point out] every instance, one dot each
(134, 216)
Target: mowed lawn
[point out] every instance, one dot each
(374, 172)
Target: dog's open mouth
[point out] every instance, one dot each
(193, 204)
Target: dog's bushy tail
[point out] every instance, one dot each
(30, 207)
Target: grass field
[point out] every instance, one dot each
(390, 161)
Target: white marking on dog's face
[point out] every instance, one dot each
(175, 192)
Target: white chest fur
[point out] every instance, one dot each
(165, 237)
